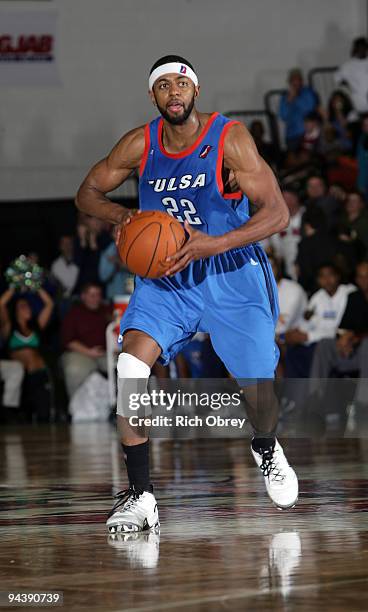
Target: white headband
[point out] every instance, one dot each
(175, 67)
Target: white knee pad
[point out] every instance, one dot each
(133, 377)
(132, 367)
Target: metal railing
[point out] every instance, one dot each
(272, 100)
(268, 120)
(321, 79)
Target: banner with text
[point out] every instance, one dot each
(28, 48)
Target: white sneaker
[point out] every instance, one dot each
(141, 549)
(133, 511)
(280, 479)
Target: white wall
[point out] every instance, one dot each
(241, 48)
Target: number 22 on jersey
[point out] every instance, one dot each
(184, 211)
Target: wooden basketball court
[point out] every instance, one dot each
(222, 545)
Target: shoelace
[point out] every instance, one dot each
(269, 465)
(126, 498)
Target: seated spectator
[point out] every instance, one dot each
(83, 337)
(312, 134)
(330, 145)
(354, 222)
(292, 299)
(92, 238)
(318, 197)
(284, 245)
(309, 150)
(292, 303)
(349, 352)
(11, 377)
(266, 149)
(295, 105)
(343, 118)
(362, 156)
(316, 247)
(11, 374)
(23, 333)
(113, 273)
(354, 73)
(64, 269)
(321, 320)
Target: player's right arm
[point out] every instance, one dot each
(107, 175)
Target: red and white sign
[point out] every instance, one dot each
(28, 48)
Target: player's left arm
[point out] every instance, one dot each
(255, 179)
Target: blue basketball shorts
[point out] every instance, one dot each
(231, 296)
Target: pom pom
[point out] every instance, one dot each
(24, 275)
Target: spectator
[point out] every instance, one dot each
(285, 244)
(330, 145)
(11, 376)
(83, 337)
(295, 105)
(11, 373)
(321, 320)
(354, 225)
(112, 273)
(354, 73)
(316, 247)
(292, 300)
(312, 133)
(92, 239)
(342, 117)
(350, 351)
(64, 269)
(310, 145)
(318, 197)
(362, 156)
(23, 333)
(266, 149)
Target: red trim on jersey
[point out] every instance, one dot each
(147, 143)
(190, 149)
(220, 157)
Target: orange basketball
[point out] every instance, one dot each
(147, 240)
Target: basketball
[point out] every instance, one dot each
(147, 240)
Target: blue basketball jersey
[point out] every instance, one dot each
(232, 296)
(189, 185)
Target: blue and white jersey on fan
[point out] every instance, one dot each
(233, 295)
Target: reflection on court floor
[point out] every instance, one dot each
(222, 545)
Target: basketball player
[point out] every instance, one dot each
(198, 168)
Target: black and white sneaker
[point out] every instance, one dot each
(280, 479)
(133, 511)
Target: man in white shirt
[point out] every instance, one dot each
(292, 300)
(354, 73)
(321, 320)
(63, 269)
(285, 244)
